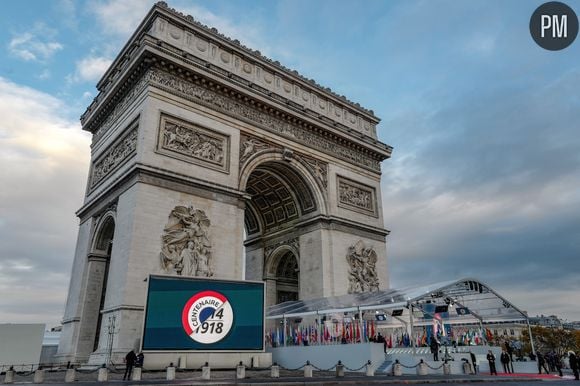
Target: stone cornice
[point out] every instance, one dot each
(364, 151)
(338, 112)
(140, 173)
(281, 124)
(324, 222)
(257, 55)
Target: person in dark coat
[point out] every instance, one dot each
(574, 365)
(491, 361)
(542, 363)
(130, 359)
(434, 348)
(558, 364)
(140, 359)
(474, 361)
(505, 361)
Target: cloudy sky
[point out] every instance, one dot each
(485, 175)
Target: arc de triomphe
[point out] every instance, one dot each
(209, 159)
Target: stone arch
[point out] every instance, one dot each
(98, 264)
(104, 232)
(274, 156)
(282, 273)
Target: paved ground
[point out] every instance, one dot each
(296, 378)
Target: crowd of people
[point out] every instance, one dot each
(548, 362)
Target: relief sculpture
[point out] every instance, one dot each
(362, 275)
(193, 144)
(114, 157)
(187, 141)
(186, 249)
(356, 196)
(250, 146)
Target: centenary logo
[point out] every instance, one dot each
(207, 317)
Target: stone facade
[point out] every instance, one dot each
(210, 160)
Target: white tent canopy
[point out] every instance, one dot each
(469, 297)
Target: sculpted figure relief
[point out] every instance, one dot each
(190, 142)
(362, 276)
(186, 249)
(249, 146)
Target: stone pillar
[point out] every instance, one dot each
(446, 369)
(206, 372)
(241, 371)
(103, 375)
(38, 376)
(275, 371)
(96, 271)
(137, 373)
(397, 369)
(339, 369)
(370, 372)
(422, 368)
(9, 377)
(170, 372)
(70, 375)
(308, 370)
(467, 368)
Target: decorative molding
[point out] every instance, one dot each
(186, 249)
(285, 77)
(250, 146)
(317, 168)
(247, 112)
(362, 274)
(192, 143)
(355, 196)
(120, 108)
(293, 243)
(113, 158)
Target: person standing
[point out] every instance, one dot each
(505, 361)
(574, 365)
(542, 363)
(140, 359)
(130, 359)
(491, 361)
(434, 348)
(474, 361)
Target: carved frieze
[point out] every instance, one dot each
(185, 245)
(117, 154)
(120, 108)
(192, 143)
(241, 110)
(362, 274)
(356, 196)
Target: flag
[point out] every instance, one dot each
(462, 311)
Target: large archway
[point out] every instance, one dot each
(97, 276)
(283, 196)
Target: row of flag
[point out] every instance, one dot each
(366, 331)
(326, 333)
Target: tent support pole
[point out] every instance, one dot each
(531, 337)
(413, 343)
(284, 335)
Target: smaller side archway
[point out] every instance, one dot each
(282, 274)
(98, 262)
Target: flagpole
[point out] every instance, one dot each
(411, 323)
(284, 335)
